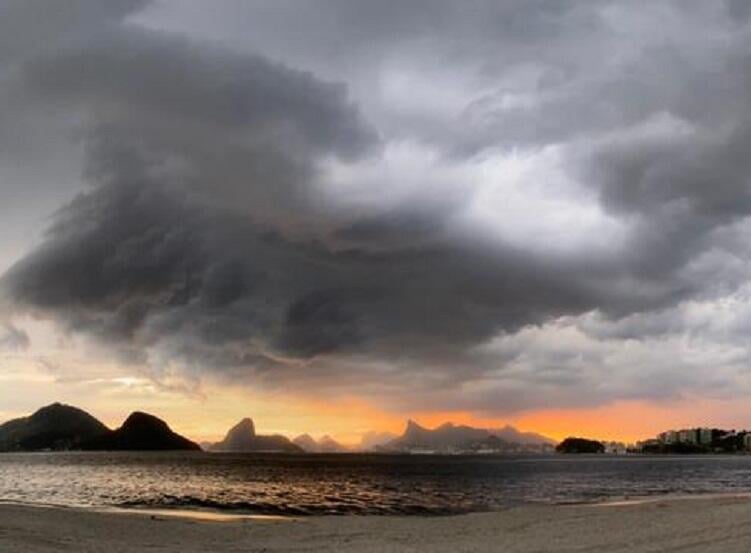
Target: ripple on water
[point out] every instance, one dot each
(301, 485)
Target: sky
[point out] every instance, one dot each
(332, 215)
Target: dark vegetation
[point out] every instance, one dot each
(580, 445)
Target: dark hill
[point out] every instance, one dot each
(54, 427)
(243, 437)
(142, 432)
(580, 445)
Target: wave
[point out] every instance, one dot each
(294, 510)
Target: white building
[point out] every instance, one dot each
(688, 436)
(615, 448)
(705, 436)
(668, 437)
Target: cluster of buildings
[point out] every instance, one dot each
(706, 439)
(616, 448)
(695, 436)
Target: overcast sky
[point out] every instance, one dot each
(490, 207)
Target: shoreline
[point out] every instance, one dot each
(645, 500)
(208, 514)
(697, 523)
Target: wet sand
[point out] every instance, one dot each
(695, 525)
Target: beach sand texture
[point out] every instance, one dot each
(695, 525)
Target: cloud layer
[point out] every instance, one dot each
(488, 206)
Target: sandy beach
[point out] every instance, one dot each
(701, 525)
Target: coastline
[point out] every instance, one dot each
(699, 523)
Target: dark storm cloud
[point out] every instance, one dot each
(209, 233)
(190, 150)
(145, 265)
(28, 26)
(588, 65)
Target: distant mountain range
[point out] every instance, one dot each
(63, 427)
(243, 437)
(327, 444)
(459, 438)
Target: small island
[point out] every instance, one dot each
(580, 445)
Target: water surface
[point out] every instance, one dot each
(356, 484)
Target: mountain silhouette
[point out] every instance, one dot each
(449, 436)
(141, 432)
(243, 437)
(327, 444)
(306, 442)
(373, 440)
(445, 436)
(54, 427)
(511, 434)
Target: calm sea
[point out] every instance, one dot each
(355, 484)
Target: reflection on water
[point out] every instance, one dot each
(354, 484)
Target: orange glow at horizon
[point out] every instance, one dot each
(346, 419)
(631, 421)
(626, 421)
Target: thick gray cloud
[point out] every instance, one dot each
(13, 338)
(396, 197)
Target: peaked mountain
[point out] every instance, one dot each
(141, 432)
(371, 440)
(327, 444)
(243, 437)
(56, 427)
(445, 436)
(240, 437)
(449, 436)
(306, 442)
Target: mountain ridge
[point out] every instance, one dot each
(449, 436)
(242, 437)
(326, 444)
